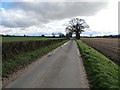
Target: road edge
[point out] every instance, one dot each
(17, 74)
(83, 75)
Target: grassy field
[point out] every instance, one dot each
(101, 71)
(19, 61)
(10, 39)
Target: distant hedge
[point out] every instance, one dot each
(11, 49)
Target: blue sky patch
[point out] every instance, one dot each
(4, 5)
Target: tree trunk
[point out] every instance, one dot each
(77, 35)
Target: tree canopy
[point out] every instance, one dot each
(76, 26)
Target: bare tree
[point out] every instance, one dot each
(76, 25)
(53, 34)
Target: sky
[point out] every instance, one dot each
(27, 17)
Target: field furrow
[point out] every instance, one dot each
(108, 47)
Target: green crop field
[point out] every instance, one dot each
(10, 39)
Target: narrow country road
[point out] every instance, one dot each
(62, 69)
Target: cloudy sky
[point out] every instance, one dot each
(27, 17)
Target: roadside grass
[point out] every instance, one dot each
(20, 61)
(10, 39)
(101, 71)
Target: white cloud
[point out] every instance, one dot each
(17, 19)
(48, 18)
(54, 0)
(106, 20)
(53, 27)
(26, 14)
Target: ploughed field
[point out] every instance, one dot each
(107, 46)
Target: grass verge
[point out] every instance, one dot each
(101, 71)
(20, 61)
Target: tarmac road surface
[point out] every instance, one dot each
(62, 69)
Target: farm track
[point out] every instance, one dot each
(108, 47)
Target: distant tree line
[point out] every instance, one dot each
(65, 36)
(20, 36)
(105, 36)
(59, 35)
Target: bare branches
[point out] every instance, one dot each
(76, 25)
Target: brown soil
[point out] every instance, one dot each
(108, 47)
